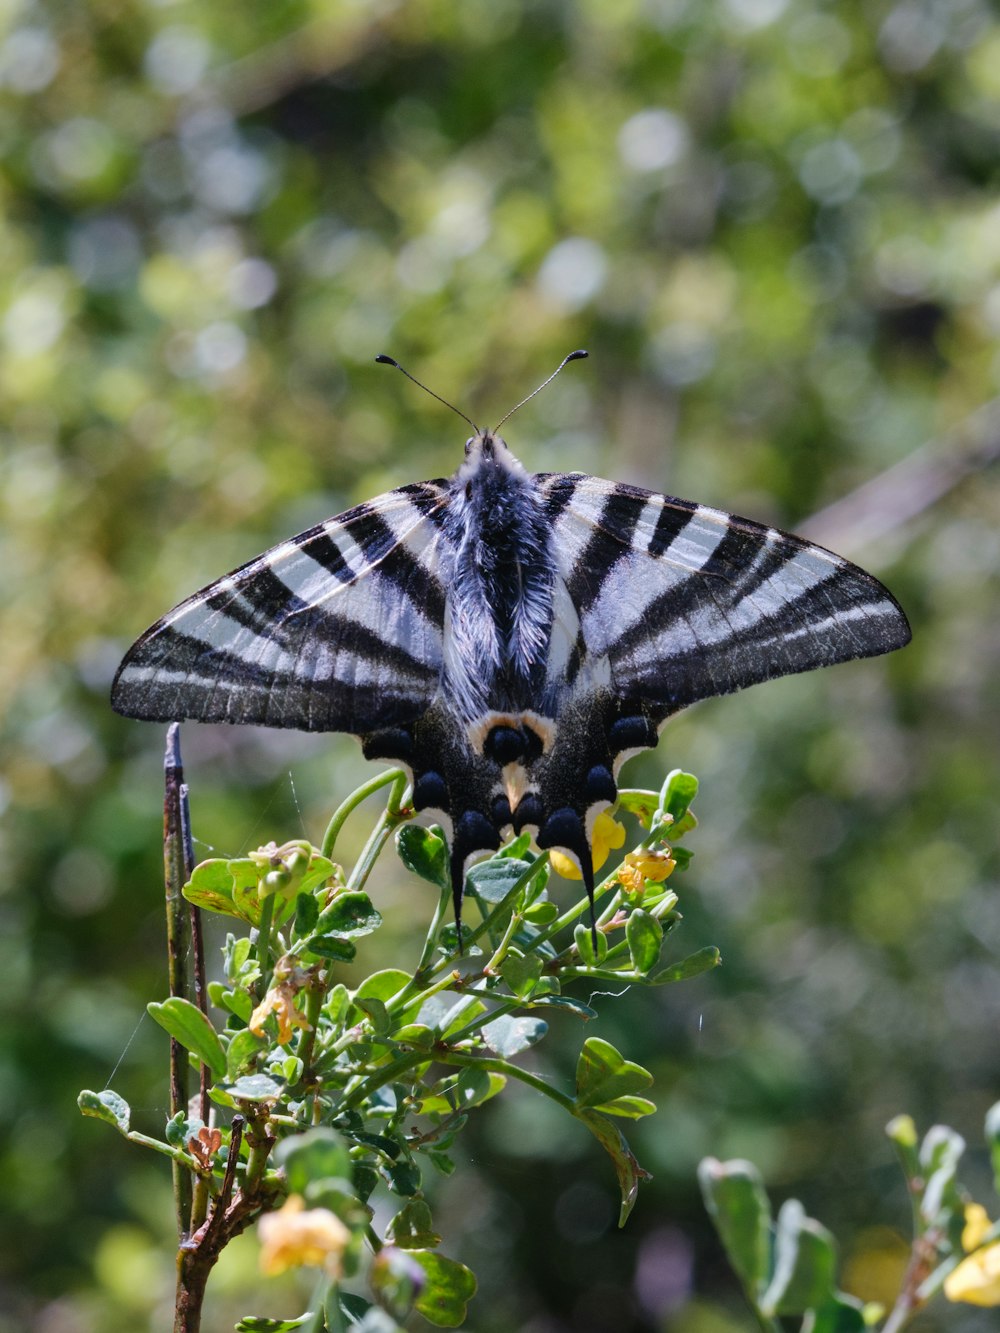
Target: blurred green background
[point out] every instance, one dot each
(775, 225)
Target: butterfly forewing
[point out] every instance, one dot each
(688, 602)
(338, 629)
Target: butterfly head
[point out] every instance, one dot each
(487, 454)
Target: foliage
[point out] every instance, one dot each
(788, 1267)
(345, 1090)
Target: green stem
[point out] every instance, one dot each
(164, 1149)
(390, 817)
(264, 943)
(199, 1201)
(425, 972)
(385, 1075)
(500, 952)
(505, 1005)
(260, 1143)
(340, 816)
(307, 1037)
(498, 1066)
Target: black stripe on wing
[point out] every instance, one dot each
(609, 542)
(691, 602)
(338, 629)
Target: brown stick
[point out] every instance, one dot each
(177, 941)
(913, 485)
(233, 1212)
(197, 951)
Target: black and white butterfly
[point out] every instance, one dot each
(510, 638)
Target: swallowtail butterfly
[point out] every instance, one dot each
(510, 638)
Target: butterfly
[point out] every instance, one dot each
(509, 638)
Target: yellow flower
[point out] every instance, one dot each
(976, 1280)
(295, 1235)
(280, 1001)
(608, 833)
(638, 867)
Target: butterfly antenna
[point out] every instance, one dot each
(384, 360)
(578, 355)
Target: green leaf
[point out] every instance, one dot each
(351, 914)
(211, 887)
(645, 940)
(331, 946)
(395, 1278)
(476, 1086)
(692, 966)
(627, 1169)
(242, 1051)
(415, 1034)
(541, 913)
(238, 1002)
(940, 1153)
(337, 1005)
(517, 847)
(315, 1155)
(247, 896)
(841, 1314)
(387, 1147)
(382, 985)
(106, 1106)
(412, 1229)
(179, 1129)
(804, 1265)
(737, 1204)
(603, 1073)
(442, 1162)
(251, 1323)
(255, 1088)
(403, 1178)
(377, 1013)
(424, 853)
(188, 1025)
(993, 1141)
(643, 804)
(470, 1088)
(629, 1107)
(321, 868)
(678, 791)
(354, 1308)
(567, 1003)
(508, 1036)
(306, 913)
(446, 1012)
(583, 937)
(521, 971)
(494, 879)
(449, 1286)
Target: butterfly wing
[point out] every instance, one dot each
(660, 602)
(338, 629)
(686, 602)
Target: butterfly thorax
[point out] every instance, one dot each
(499, 599)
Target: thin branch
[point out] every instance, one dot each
(197, 950)
(910, 487)
(312, 52)
(177, 940)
